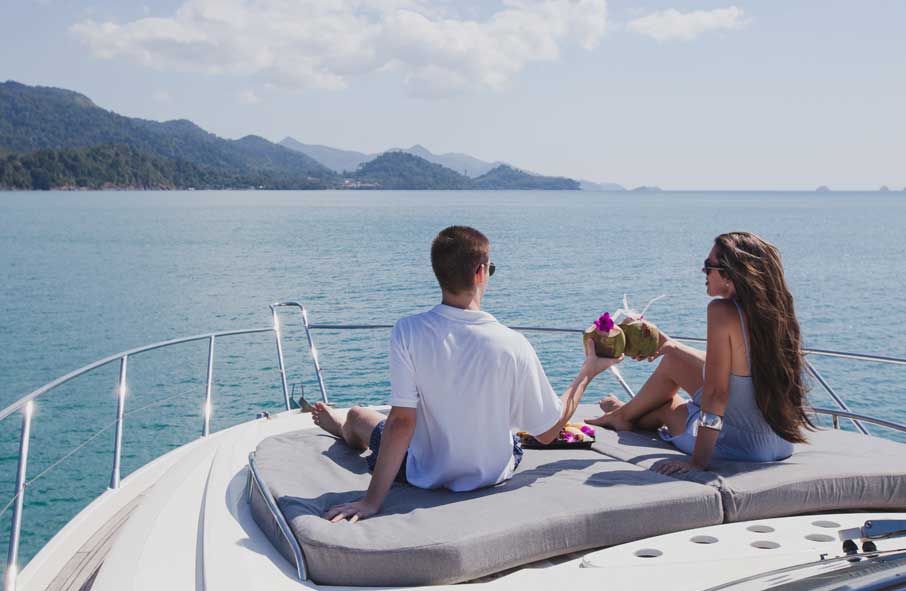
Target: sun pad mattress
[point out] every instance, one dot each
(558, 502)
(835, 470)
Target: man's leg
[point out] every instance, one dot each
(355, 428)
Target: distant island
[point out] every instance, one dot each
(823, 189)
(593, 186)
(52, 138)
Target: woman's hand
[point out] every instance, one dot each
(664, 344)
(675, 467)
(593, 364)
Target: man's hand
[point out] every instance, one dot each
(352, 511)
(593, 365)
(395, 441)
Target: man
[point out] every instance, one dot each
(460, 384)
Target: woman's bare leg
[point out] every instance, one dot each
(672, 415)
(680, 367)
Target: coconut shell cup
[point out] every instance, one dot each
(642, 338)
(607, 344)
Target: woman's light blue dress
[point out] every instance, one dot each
(745, 436)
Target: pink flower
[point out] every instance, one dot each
(587, 430)
(604, 323)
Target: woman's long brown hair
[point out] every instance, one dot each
(775, 343)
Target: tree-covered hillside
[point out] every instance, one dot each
(34, 118)
(117, 166)
(507, 177)
(399, 170)
(402, 170)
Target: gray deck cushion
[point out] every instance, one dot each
(558, 502)
(836, 470)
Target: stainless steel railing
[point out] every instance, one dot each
(25, 404)
(843, 408)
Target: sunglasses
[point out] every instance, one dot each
(491, 268)
(708, 267)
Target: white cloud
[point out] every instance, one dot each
(673, 25)
(248, 97)
(318, 44)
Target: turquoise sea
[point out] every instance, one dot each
(85, 275)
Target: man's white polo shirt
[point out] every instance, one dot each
(473, 382)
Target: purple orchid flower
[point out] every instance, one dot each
(587, 430)
(604, 323)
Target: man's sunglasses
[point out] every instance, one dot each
(708, 267)
(491, 268)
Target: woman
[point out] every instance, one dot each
(749, 392)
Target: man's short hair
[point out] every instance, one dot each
(456, 253)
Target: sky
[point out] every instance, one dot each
(681, 94)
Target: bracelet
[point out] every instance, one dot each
(710, 421)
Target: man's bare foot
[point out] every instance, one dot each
(610, 403)
(611, 421)
(328, 419)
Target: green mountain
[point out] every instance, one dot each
(399, 170)
(403, 170)
(55, 138)
(36, 118)
(507, 177)
(348, 160)
(120, 166)
(341, 161)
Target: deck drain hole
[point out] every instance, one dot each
(827, 524)
(703, 540)
(819, 538)
(765, 544)
(760, 529)
(648, 553)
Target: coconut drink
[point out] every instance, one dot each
(608, 338)
(642, 337)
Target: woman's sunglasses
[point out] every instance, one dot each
(708, 267)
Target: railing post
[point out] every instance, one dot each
(118, 438)
(280, 357)
(836, 421)
(209, 390)
(314, 353)
(619, 376)
(16, 528)
(837, 400)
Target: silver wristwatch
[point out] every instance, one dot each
(710, 421)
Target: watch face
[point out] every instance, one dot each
(711, 421)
